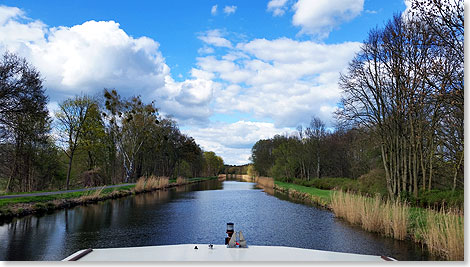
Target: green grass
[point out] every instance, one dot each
(12, 201)
(3, 193)
(9, 201)
(321, 193)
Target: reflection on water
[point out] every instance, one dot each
(194, 213)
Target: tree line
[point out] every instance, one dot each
(402, 109)
(313, 152)
(93, 140)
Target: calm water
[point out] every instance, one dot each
(193, 214)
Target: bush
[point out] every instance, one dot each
(440, 198)
(345, 184)
(373, 182)
(92, 178)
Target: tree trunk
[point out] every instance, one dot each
(404, 165)
(457, 167)
(415, 174)
(387, 172)
(69, 170)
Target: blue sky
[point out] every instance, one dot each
(230, 72)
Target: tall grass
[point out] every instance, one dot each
(92, 195)
(140, 185)
(180, 180)
(164, 181)
(399, 219)
(151, 183)
(372, 214)
(443, 233)
(347, 206)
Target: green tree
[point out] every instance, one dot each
(24, 120)
(93, 140)
(213, 164)
(72, 118)
(129, 121)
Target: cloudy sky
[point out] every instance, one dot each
(230, 72)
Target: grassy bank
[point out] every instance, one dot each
(307, 194)
(373, 183)
(441, 231)
(21, 206)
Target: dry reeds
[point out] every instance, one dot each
(140, 185)
(373, 214)
(92, 195)
(265, 182)
(399, 219)
(347, 206)
(164, 181)
(443, 233)
(151, 183)
(180, 180)
(370, 219)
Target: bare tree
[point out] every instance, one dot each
(316, 133)
(71, 117)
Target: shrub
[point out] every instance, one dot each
(373, 182)
(92, 178)
(438, 198)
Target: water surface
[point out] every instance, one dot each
(195, 213)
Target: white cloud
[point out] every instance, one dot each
(6, 13)
(214, 10)
(206, 50)
(371, 11)
(214, 37)
(230, 9)
(88, 57)
(320, 17)
(233, 141)
(285, 80)
(278, 7)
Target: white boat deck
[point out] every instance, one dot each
(187, 252)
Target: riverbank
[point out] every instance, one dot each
(309, 195)
(22, 206)
(440, 231)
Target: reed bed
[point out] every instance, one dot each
(180, 180)
(443, 233)
(399, 219)
(372, 214)
(151, 183)
(140, 185)
(369, 219)
(92, 195)
(164, 181)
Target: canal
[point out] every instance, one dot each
(195, 213)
